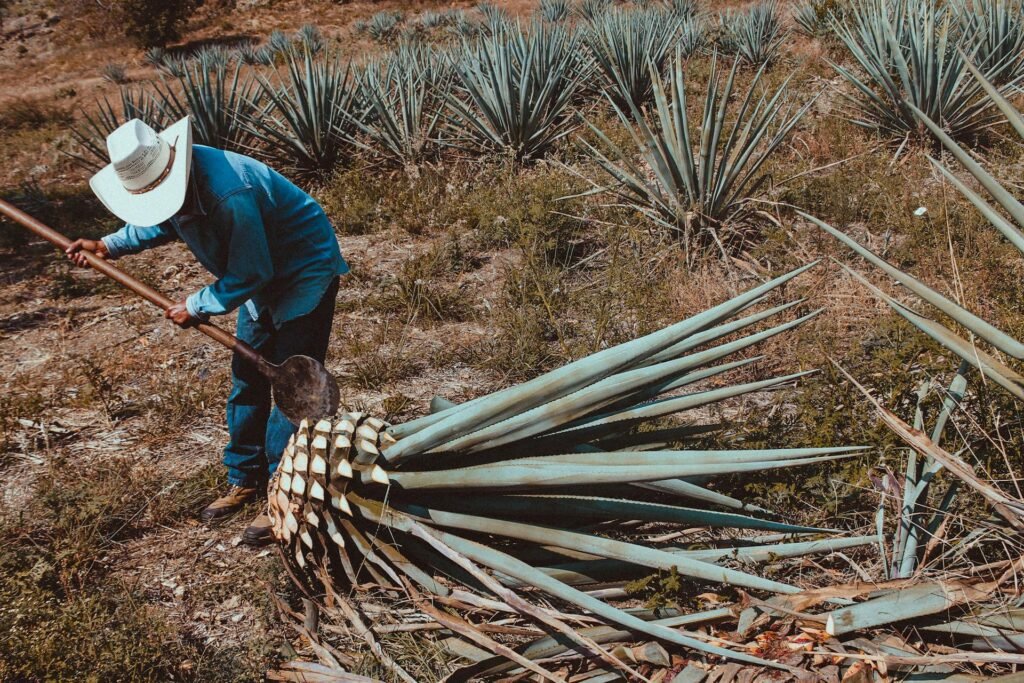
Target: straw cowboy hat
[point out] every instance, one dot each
(145, 182)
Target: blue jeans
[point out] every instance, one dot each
(258, 434)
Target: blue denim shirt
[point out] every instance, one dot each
(269, 243)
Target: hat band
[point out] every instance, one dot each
(160, 178)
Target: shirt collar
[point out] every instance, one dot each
(193, 207)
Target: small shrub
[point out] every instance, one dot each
(379, 359)
(420, 291)
(115, 73)
(154, 23)
(23, 114)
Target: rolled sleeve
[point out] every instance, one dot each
(131, 239)
(249, 265)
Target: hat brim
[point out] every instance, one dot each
(164, 200)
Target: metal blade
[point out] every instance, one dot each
(304, 389)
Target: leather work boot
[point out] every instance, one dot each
(231, 502)
(259, 532)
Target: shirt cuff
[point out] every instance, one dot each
(192, 306)
(110, 242)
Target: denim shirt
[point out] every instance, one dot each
(269, 243)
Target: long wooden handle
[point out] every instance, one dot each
(141, 288)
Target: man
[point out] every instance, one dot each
(273, 251)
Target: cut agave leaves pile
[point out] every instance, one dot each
(517, 504)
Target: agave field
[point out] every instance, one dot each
(742, 397)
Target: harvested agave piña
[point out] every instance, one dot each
(485, 503)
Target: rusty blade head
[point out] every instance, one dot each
(304, 389)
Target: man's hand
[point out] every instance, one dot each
(97, 247)
(180, 315)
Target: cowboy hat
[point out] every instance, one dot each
(146, 181)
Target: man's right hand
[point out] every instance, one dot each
(97, 247)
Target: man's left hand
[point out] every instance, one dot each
(179, 314)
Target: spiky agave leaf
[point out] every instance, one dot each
(405, 97)
(309, 120)
(625, 45)
(254, 54)
(815, 17)
(993, 34)
(554, 10)
(700, 193)
(685, 9)
(496, 19)
(907, 51)
(383, 26)
(154, 56)
(431, 19)
(461, 25)
(513, 93)
(309, 37)
(511, 481)
(693, 36)
(592, 10)
(219, 99)
(754, 35)
(279, 42)
(920, 517)
(91, 132)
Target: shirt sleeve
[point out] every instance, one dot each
(249, 266)
(131, 239)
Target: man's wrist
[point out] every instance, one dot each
(193, 309)
(108, 247)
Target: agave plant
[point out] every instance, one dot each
(693, 36)
(309, 120)
(922, 510)
(704, 196)
(685, 9)
(404, 98)
(592, 10)
(629, 49)
(520, 496)
(174, 65)
(494, 16)
(755, 34)
(253, 54)
(154, 56)
(993, 36)
(815, 17)
(906, 51)
(431, 19)
(213, 57)
(218, 97)
(383, 26)
(513, 93)
(554, 10)
(462, 25)
(309, 37)
(279, 42)
(96, 124)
